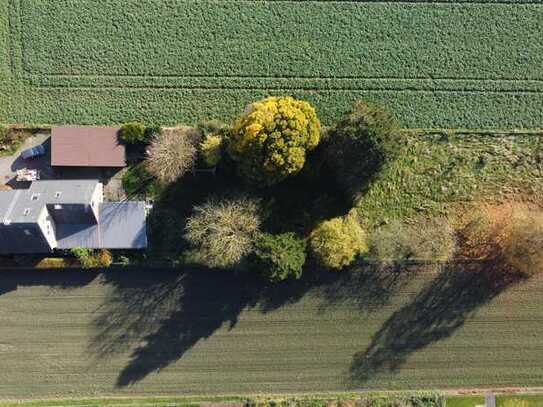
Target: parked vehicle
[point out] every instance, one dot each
(27, 175)
(33, 152)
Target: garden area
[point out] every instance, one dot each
(277, 194)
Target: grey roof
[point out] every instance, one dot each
(23, 238)
(72, 191)
(121, 226)
(8, 200)
(25, 205)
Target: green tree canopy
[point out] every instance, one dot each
(133, 133)
(271, 139)
(279, 257)
(361, 143)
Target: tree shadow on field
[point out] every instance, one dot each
(434, 314)
(160, 315)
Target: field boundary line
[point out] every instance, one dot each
(286, 89)
(279, 77)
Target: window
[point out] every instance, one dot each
(35, 197)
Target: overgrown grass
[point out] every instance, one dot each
(437, 172)
(170, 62)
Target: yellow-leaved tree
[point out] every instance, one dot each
(271, 139)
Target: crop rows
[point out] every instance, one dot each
(437, 64)
(152, 332)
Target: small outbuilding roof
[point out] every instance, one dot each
(87, 147)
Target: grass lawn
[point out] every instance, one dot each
(530, 400)
(465, 401)
(169, 62)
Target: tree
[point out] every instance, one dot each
(279, 257)
(361, 143)
(133, 133)
(523, 242)
(336, 242)
(173, 153)
(211, 149)
(271, 139)
(509, 234)
(224, 232)
(137, 181)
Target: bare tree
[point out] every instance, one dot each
(224, 231)
(173, 152)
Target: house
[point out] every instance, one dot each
(86, 147)
(64, 214)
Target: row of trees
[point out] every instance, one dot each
(271, 142)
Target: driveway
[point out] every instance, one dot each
(10, 164)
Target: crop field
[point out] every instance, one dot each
(69, 334)
(447, 64)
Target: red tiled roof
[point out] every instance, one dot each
(86, 147)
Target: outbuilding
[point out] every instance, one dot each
(87, 147)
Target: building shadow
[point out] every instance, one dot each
(159, 315)
(442, 307)
(65, 278)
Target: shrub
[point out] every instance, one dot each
(523, 243)
(224, 231)
(90, 258)
(391, 242)
(213, 126)
(173, 153)
(335, 243)
(211, 149)
(279, 257)
(138, 181)
(4, 134)
(361, 143)
(133, 133)
(271, 139)
(56, 262)
(431, 240)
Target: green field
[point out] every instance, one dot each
(158, 332)
(471, 64)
